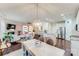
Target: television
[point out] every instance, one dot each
(11, 26)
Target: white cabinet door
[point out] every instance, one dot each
(75, 47)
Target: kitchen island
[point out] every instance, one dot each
(41, 48)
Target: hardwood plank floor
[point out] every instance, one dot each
(64, 44)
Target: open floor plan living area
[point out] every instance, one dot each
(39, 29)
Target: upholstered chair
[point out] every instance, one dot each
(41, 38)
(50, 42)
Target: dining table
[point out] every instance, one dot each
(38, 48)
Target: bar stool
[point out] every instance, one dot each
(61, 42)
(50, 42)
(41, 38)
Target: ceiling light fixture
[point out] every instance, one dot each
(37, 12)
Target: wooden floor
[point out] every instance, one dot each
(66, 45)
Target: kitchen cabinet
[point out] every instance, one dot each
(75, 45)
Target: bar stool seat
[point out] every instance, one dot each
(41, 38)
(50, 42)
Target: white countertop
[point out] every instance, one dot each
(43, 50)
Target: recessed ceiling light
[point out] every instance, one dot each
(62, 14)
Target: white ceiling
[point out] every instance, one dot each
(46, 12)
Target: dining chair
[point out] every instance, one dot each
(54, 40)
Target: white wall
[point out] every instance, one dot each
(2, 27)
(56, 26)
(68, 25)
(76, 21)
(74, 40)
(46, 26)
(74, 32)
